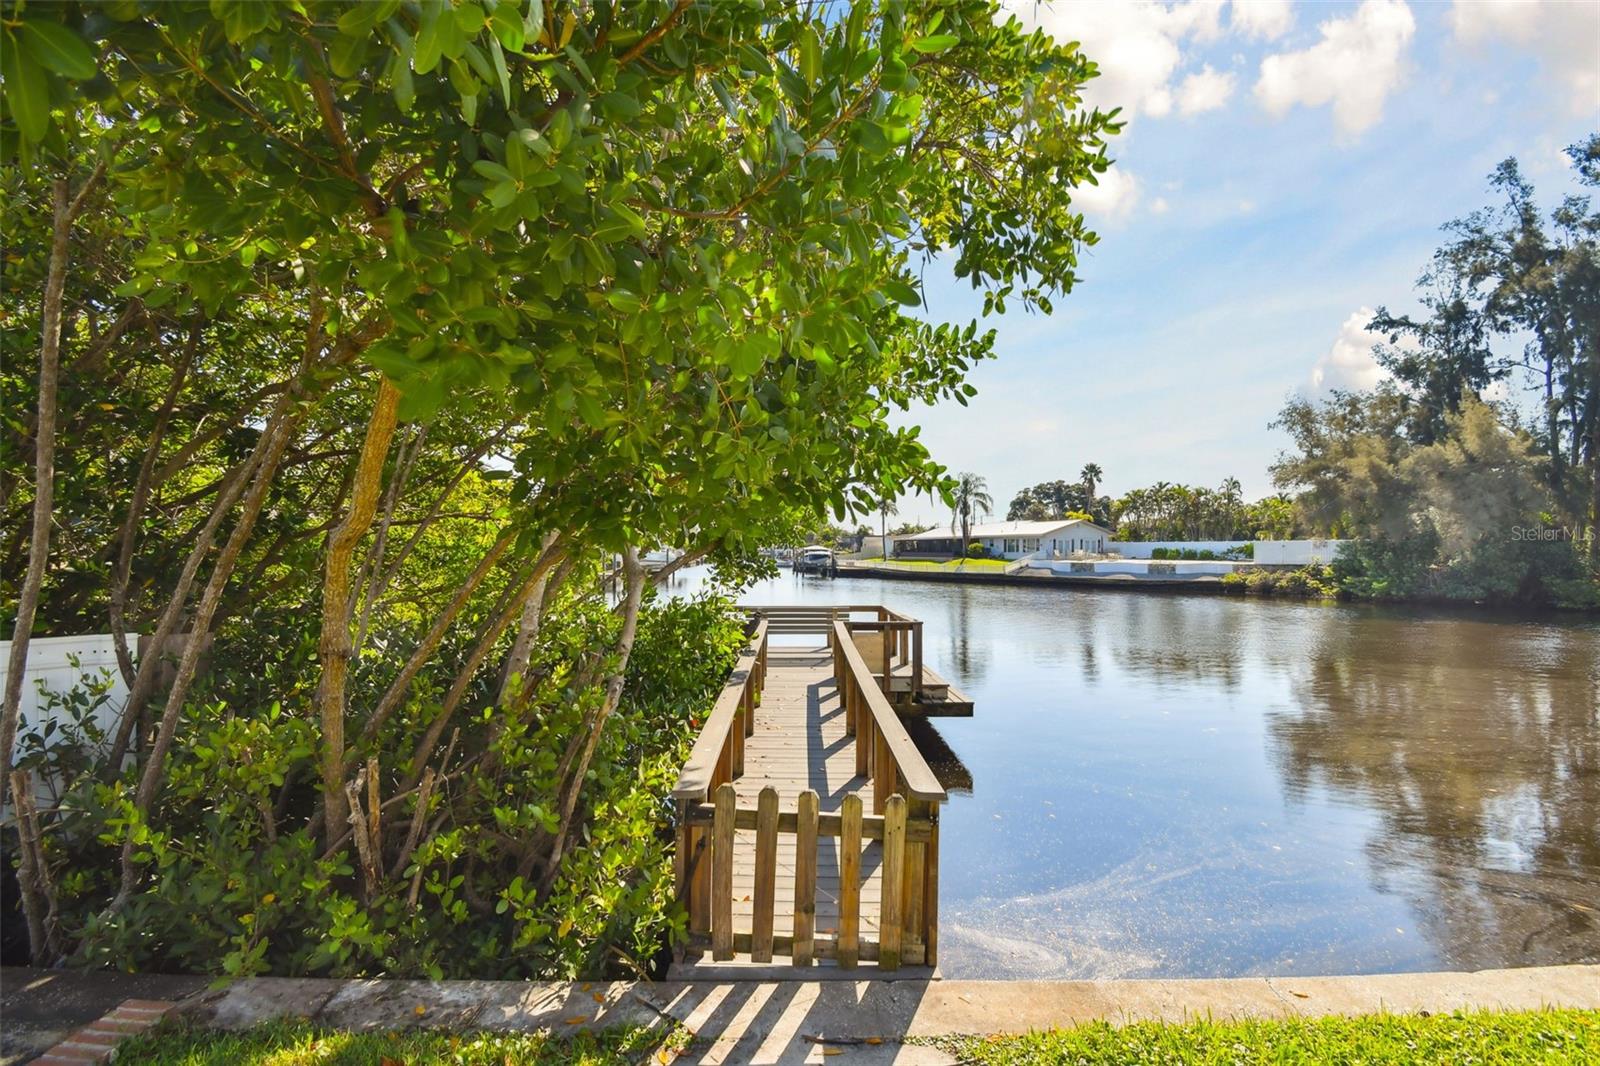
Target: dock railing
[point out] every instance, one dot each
(905, 798)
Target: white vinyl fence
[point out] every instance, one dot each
(72, 694)
(1267, 552)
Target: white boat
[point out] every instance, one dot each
(815, 559)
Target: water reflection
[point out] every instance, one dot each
(1480, 753)
(1195, 786)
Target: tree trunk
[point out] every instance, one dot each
(334, 648)
(430, 642)
(44, 462)
(480, 651)
(122, 572)
(516, 664)
(589, 733)
(274, 441)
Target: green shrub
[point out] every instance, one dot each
(237, 882)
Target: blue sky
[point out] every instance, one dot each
(1286, 168)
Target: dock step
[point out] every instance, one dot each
(939, 698)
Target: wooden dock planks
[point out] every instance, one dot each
(799, 743)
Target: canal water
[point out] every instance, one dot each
(1195, 786)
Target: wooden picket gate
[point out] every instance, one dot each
(857, 883)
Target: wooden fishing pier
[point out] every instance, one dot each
(808, 821)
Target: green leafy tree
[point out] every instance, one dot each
(506, 288)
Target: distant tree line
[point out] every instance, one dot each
(1193, 512)
(1163, 511)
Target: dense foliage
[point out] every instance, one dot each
(349, 344)
(1163, 511)
(1450, 492)
(239, 885)
(1468, 516)
(1192, 512)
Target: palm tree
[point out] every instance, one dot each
(1091, 476)
(972, 495)
(886, 508)
(1232, 497)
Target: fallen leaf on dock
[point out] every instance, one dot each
(577, 1019)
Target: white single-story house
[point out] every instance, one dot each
(1055, 539)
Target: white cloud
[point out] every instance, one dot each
(1137, 44)
(1159, 206)
(1114, 198)
(1263, 19)
(1204, 91)
(1358, 62)
(1564, 35)
(1349, 363)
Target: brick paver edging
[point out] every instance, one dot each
(97, 1041)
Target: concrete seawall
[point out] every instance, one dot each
(1120, 582)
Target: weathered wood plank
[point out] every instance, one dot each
(917, 779)
(894, 848)
(805, 877)
(828, 825)
(850, 881)
(766, 859)
(722, 874)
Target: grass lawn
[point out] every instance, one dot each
(1483, 1039)
(302, 1044)
(929, 564)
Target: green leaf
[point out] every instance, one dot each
(535, 141)
(903, 292)
(810, 55)
(619, 222)
(345, 55)
(494, 171)
(939, 42)
(27, 94)
(508, 28)
(429, 48)
(501, 192)
(589, 409)
(623, 300)
(405, 88)
(59, 49)
(359, 20)
(499, 58)
(753, 60)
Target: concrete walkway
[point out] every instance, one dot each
(40, 1008)
(799, 1021)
